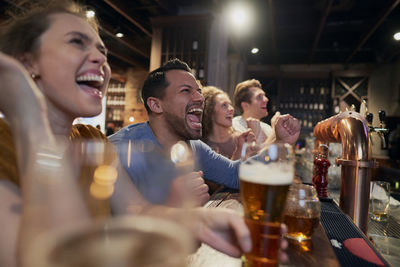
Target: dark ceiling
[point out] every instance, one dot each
(285, 31)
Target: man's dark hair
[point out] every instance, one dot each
(156, 83)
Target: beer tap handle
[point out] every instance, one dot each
(382, 117)
(383, 131)
(369, 118)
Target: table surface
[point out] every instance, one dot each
(318, 251)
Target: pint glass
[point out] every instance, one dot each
(264, 182)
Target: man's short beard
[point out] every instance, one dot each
(179, 127)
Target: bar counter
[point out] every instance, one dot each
(326, 247)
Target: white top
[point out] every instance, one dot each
(239, 124)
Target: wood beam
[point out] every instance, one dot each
(125, 43)
(130, 19)
(123, 58)
(166, 5)
(319, 32)
(118, 76)
(272, 30)
(386, 13)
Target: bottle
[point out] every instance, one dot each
(321, 165)
(201, 71)
(195, 45)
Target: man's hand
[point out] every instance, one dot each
(255, 126)
(188, 190)
(287, 128)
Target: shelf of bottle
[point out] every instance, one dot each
(115, 106)
(115, 93)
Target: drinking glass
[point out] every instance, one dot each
(264, 182)
(78, 241)
(139, 241)
(302, 212)
(379, 200)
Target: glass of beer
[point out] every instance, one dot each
(302, 212)
(264, 182)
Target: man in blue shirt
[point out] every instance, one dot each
(174, 102)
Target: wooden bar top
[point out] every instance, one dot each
(315, 253)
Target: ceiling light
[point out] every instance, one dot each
(119, 34)
(254, 50)
(396, 36)
(239, 16)
(90, 14)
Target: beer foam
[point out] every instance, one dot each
(268, 174)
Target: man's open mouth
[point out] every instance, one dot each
(194, 116)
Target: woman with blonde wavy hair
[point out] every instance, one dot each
(217, 129)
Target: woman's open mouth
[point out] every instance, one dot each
(92, 84)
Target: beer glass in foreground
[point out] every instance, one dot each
(137, 241)
(264, 182)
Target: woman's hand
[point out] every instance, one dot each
(223, 230)
(226, 231)
(245, 137)
(255, 126)
(23, 97)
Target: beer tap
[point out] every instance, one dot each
(381, 130)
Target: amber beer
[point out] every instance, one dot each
(263, 194)
(300, 227)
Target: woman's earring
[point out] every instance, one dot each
(35, 76)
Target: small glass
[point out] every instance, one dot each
(302, 212)
(379, 200)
